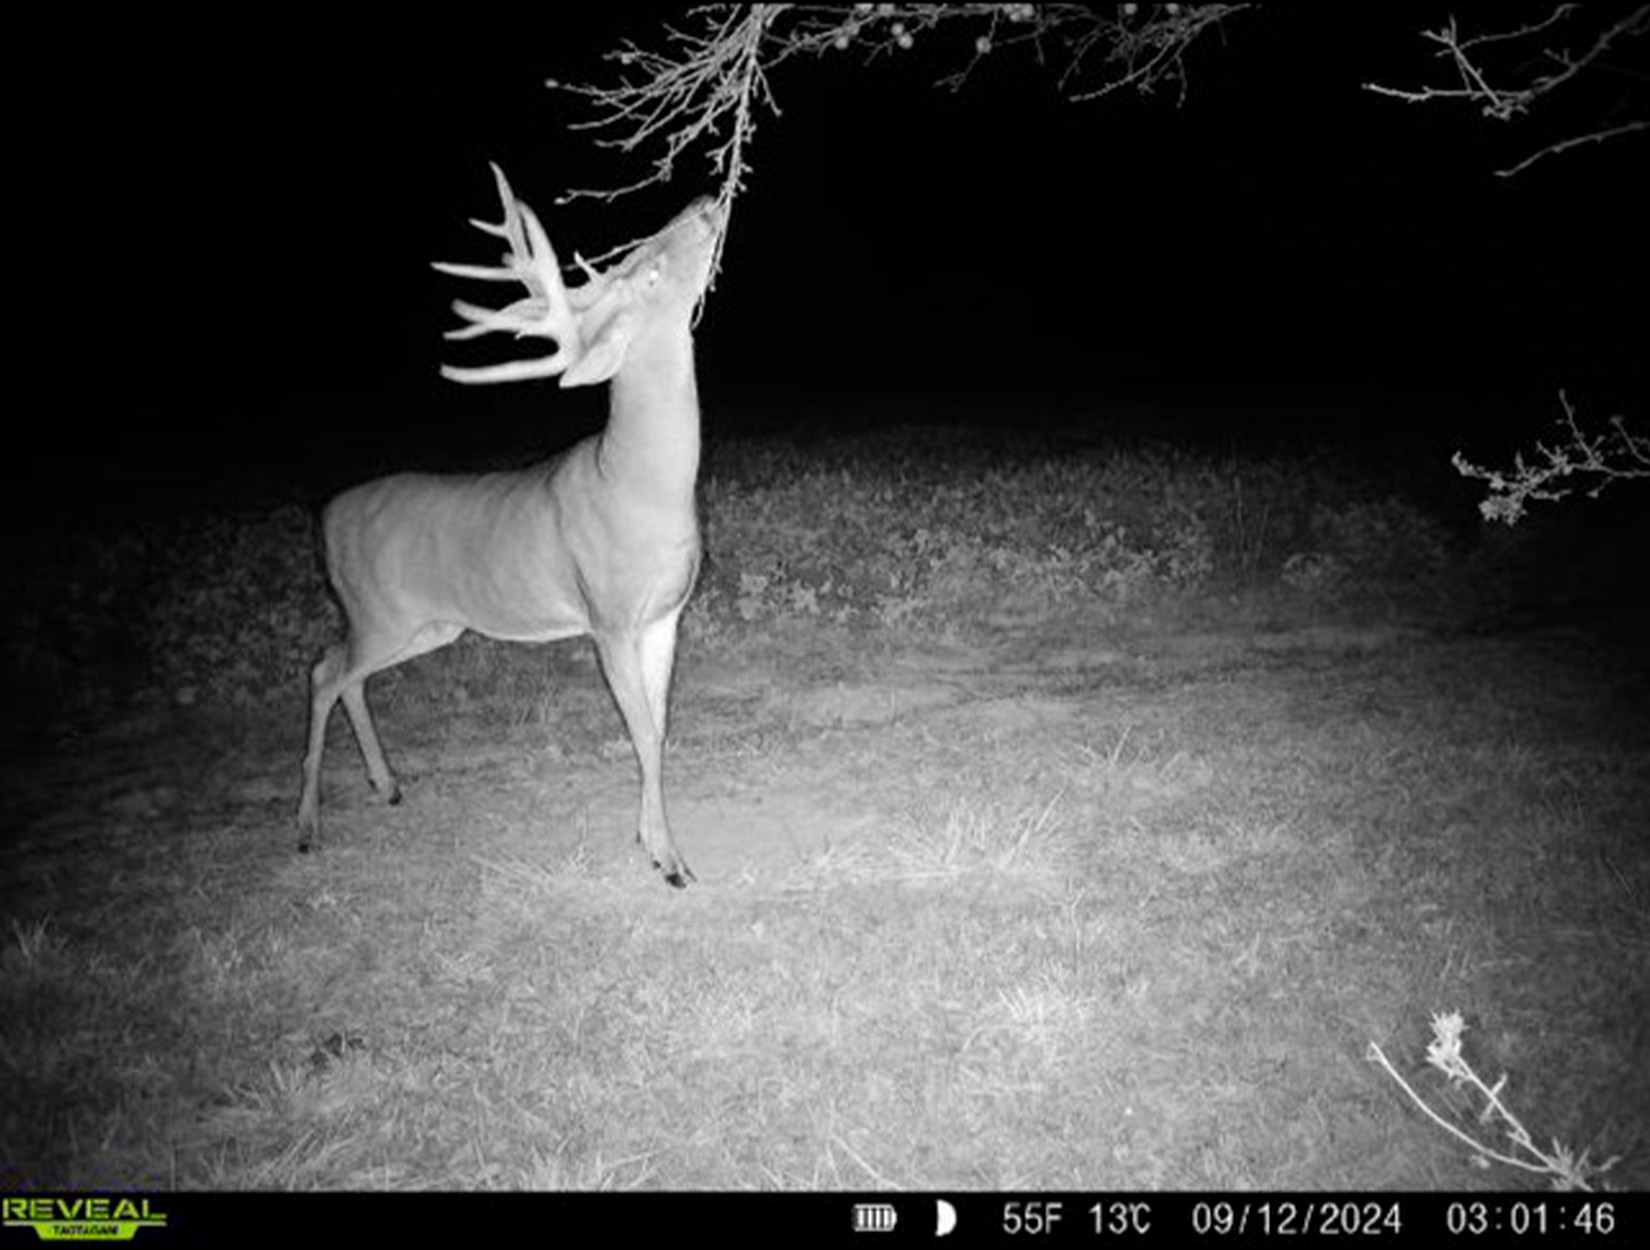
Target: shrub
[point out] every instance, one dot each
(239, 609)
(935, 534)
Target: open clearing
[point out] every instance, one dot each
(1071, 910)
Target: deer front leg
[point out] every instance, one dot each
(638, 672)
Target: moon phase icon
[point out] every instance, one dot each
(945, 1217)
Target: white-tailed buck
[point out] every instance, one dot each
(602, 540)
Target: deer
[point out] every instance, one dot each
(601, 540)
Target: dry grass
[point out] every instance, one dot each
(1127, 926)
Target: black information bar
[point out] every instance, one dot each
(867, 1220)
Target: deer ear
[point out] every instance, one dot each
(603, 355)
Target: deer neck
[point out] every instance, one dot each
(651, 442)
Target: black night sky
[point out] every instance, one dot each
(228, 223)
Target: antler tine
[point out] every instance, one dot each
(546, 313)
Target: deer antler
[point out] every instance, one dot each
(546, 312)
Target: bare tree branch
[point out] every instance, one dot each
(1598, 459)
(1554, 67)
(704, 81)
(708, 85)
(1575, 141)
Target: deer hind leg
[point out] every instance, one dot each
(638, 672)
(341, 674)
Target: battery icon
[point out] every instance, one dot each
(875, 1217)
